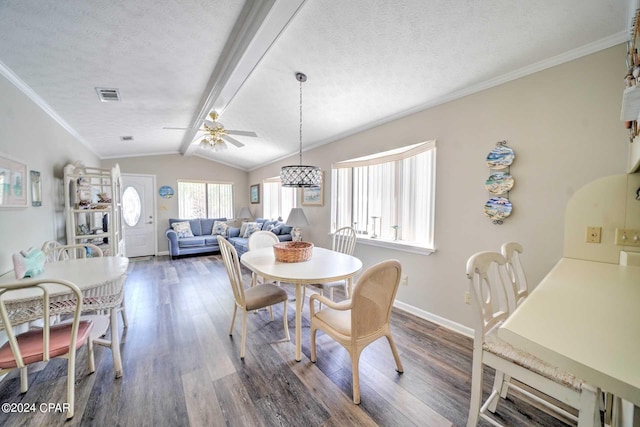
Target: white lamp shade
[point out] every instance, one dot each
(297, 218)
(244, 213)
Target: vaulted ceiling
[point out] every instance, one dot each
(367, 62)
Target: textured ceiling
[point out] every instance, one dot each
(367, 61)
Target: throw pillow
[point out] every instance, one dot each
(243, 227)
(219, 228)
(250, 229)
(183, 229)
(276, 229)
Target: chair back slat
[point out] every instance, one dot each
(373, 297)
(344, 240)
(232, 265)
(487, 279)
(54, 251)
(515, 273)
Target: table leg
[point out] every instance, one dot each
(115, 343)
(299, 305)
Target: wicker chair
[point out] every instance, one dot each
(37, 345)
(250, 299)
(489, 293)
(363, 319)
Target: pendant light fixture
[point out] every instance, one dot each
(300, 175)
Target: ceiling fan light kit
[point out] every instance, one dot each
(300, 175)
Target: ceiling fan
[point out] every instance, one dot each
(214, 134)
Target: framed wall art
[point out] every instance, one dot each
(254, 193)
(313, 196)
(36, 188)
(13, 183)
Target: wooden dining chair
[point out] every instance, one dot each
(363, 319)
(55, 251)
(252, 298)
(38, 345)
(489, 288)
(258, 240)
(343, 241)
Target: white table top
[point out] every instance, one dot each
(585, 318)
(324, 266)
(85, 273)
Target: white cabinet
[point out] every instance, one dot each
(93, 207)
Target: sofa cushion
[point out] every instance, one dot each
(211, 240)
(219, 228)
(187, 242)
(183, 229)
(233, 232)
(243, 227)
(285, 229)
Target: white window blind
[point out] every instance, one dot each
(277, 200)
(388, 196)
(201, 199)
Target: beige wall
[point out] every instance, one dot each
(168, 169)
(563, 124)
(28, 134)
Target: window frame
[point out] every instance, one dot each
(397, 156)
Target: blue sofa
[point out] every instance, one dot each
(204, 242)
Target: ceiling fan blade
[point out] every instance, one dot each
(199, 130)
(233, 141)
(242, 133)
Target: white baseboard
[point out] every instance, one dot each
(449, 324)
(163, 253)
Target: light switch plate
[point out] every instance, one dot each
(627, 237)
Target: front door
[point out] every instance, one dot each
(138, 211)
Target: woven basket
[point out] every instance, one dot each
(293, 251)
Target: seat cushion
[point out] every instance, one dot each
(340, 320)
(264, 296)
(187, 242)
(31, 348)
(493, 344)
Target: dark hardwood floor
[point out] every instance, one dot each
(181, 368)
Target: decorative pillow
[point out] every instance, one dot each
(182, 228)
(28, 263)
(244, 226)
(250, 229)
(276, 229)
(219, 228)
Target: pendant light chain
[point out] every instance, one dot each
(301, 80)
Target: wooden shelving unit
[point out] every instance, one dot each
(93, 207)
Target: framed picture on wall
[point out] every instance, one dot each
(13, 183)
(313, 196)
(254, 193)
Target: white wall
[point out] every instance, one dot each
(28, 134)
(168, 169)
(563, 124)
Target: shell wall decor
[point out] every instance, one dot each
(499, 183)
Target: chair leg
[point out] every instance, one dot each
(233, 319)
(396, 355)
(312, 333)
(500, 384)
(271, 312)
(355, 373)
(91, 356)
(331, 293)
(71, 382)
(476, 390)
(286, 323)
(123, 312)
(588, 406)
(244, 333)
(24, 380)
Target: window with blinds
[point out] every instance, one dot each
(201, 199)
(388, 196)
(277, 200)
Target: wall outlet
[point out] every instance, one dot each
(627, 237)
(594, 234)
(405, 281)
(467, 297)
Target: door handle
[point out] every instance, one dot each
(149, 222)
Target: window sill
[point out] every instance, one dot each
(396, 245)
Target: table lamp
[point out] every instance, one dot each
(296, 220)
(244, 213)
